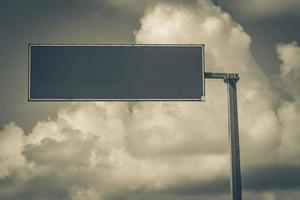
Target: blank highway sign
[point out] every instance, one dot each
(116, 72)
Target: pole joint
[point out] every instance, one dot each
(231, 78)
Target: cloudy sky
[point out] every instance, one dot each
(119, 151)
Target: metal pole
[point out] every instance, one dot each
(235, 179)
(233, 128)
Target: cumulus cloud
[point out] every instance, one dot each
(290, 67)
(165, 150)
(12, 145)
(77, 161)
(289, 53)
(227, 50)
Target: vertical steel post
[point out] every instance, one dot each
(235, 179)
(233, 128)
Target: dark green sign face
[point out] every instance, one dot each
(116, 72)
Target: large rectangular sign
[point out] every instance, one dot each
(116, 72)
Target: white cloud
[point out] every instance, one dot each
(268, 196)
(289, 54)
(227, 50)
(11, 147)
(107, 151)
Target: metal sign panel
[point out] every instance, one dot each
(116, 72)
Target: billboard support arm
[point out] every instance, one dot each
(235, 179)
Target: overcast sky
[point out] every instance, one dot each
(116, 151)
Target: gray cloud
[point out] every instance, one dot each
(264, 9)
(272, 177)
(165, 150)
(54, 21)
